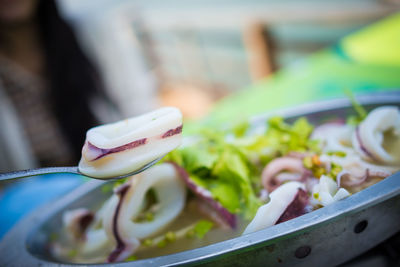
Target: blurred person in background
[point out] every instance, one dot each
(47, 87)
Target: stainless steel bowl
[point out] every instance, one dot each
(325, 237)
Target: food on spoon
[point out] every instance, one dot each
(122, 147)
(237, 182)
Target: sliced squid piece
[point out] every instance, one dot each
(96, 239)
(83, 227)
(326, 192)
(280, 199)
(76, 222)
(270, 178)
(125, 146)
(334, 137)
(297, 207)
(127, 204)
(368, 138)
(356, 166)
(354, 184)
(124, 245)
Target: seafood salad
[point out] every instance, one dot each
(224, 183)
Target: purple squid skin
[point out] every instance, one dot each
(84, 222)
(296, 208)
(228, 217)
(362, 147)
(102, 152)
(120, 247)
(172, 132)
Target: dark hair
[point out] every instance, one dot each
(73, 79)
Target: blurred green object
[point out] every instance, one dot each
(363, 62)
(378, 44)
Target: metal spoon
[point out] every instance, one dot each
(73, 169)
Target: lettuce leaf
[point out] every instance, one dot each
(240, 128)
(231, 170)
(202, 228)
(222, 169)
(226, 193)
(279, 139)
(234, 168)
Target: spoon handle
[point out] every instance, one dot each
(38, 171)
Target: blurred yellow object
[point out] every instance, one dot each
(194, 102)
(376, 44)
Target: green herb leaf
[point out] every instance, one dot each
(131, 258)
(226, 193)
(240, 129)
(360, 110)
(202, 228)
(221, 168)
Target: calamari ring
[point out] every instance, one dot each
(127, 203)
(82, 228)
(368, 137)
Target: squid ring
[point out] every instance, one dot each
(127, 203)
(368, 137)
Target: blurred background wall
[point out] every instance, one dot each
(192, 53)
